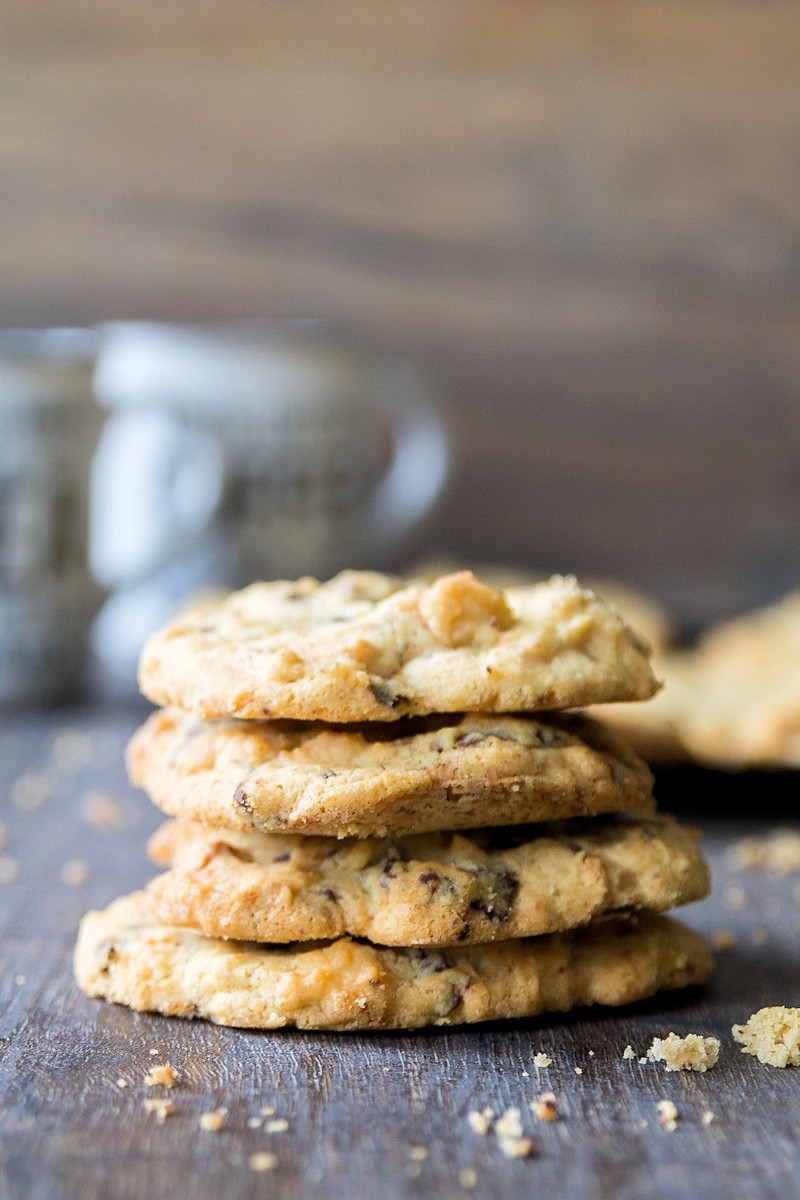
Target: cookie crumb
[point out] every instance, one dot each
(279, 1125)
(707, 1117)
(254, 1122)
(9, 869)
(122, 1083)
(467, 1178)
(72, 750)
(545, 1107)
(643, 1061)
(263, 1161)
(267, 1110)
(21, 980)
(629, 1052)
(155, 1052)
(29, 792)
(734, 898)
(74, 872)
(161, 1108)
(578, 1070)
(516, 1147)
(525, 1075)
(212, 1122)
(690, 1053)
(725, 939)
(162, 1074)
(477, 1122)
(418, 1153)
(667, 1115)
(510, 1124)
(772, 1035)
(102, 810)
(778, 853)
(541, 1061)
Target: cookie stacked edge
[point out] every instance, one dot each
(383, 819)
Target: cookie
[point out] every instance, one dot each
(413, 776)
(733, 701)
(366, 647)
(430, 890)
(125, 956)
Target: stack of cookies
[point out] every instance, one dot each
(383, 818)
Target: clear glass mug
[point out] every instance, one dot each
(48, 596)
(250, 452)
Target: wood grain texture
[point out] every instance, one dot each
(357, 1104)
(581, 218)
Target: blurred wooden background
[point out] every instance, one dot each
(582, 217)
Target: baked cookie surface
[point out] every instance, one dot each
(124, 956)
(432, 889)
(732, 701)
(367, 647)
(414, 776)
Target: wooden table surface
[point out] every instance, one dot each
(357, 1105)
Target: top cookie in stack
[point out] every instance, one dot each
(323, 744)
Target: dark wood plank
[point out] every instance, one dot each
(357, 1104)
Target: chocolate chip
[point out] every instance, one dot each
(384, 694)
(282, 857)
(497, 890)
(430, 877)
(329, 894)
(242, 801)
(328, 774)
(108, 952)
(428, 962)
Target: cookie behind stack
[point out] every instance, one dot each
(317, 759)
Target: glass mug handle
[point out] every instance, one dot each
(419, 465)
(157, 483)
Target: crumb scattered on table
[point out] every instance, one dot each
(772, 1035)
(734, 898)
(262, 1161)
(467, 1178)
(509, 1124)
(541, 1060)
(724, 939)
(74, 872)
(578, 1070)
(30, 792)
(72, 750)
(629, 1052)
(162, 1074)
(667, 1114)
(516, 1147)
(9, 868)
(279, 1125)
(161, 1108)
(102, 810)
(478, 1122)
(212, 1122)
(418, 1153)
(545, 1108)
(778, 853)
(690, 1053)
(707, 1117)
